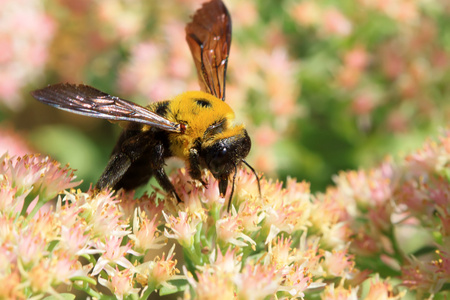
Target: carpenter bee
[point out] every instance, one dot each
(195, 126)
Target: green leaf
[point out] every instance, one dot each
(176, 286)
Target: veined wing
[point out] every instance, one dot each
(209, 38)
(88, 101)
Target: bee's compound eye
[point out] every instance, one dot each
(224, 155)
(223, 152)
(218, 160)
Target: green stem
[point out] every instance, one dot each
(36, 208)
(191, 254)
(133, 297)
(398, 253)
(150, 288)
(87, 289)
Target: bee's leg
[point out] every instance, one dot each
(129, 153)
(194, 168)
(165, 183)
(136, 158)
(118, 164)
(157, 163)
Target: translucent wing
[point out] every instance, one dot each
(88, 101)
(209, 38)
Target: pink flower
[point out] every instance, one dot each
(365, 244)
(227, 264)
(101, 213)
(296, 281)
(31, 248)
(424, 160)
(265, 136)
(364, 103)
(164, 268)
(306, 13)
(421, 275)
(286, 209)
(211, 286)
(247, 192)
(158, 272)
(357, 58)
(126, 20)
(10, 199)
(8, 286)
(229, 230)
(151, 70)
(443, 262)
(74, 237)
(444, 216)
(256, 282)
(340, 293)
(44, 175)
(398, 121)
(336, 23)
(145, 233)
(147, 203)
(281, 254)
(120, 283)
(112, 254)
(335, 235)
(413, 195)
(392, 63)
(8, 248)
(181, 228)
(245, 13)
(25, 36)
(338, 263)
(382, 290)
(196, 196)
(64, 266)
(40, 277)
(250, 217)
(348, 78)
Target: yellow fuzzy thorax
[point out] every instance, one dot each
(185, 109)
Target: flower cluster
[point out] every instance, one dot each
(281, 241)
(26, 31)
(318, 67)
(388, 207)
(75, 239)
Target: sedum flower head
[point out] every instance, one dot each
(284, 242)
(182, 228)
(145, 234)
(158, 272)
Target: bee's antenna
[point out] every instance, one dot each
(232, 188)
(256, 175)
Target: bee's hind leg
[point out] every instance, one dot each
(129, 164)
(117, 166)
(136, 158)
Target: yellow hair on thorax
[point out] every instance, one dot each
(197, 110)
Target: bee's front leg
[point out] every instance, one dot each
(194, 167)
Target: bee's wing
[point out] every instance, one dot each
(88, 101)
(209, 38)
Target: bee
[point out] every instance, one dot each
(196, 126)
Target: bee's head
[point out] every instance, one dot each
(224, 152)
